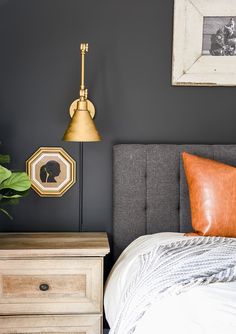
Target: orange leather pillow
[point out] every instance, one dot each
(212, 192)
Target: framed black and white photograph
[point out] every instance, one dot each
(204, 43)
(51, 171)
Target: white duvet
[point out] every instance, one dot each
(201, 310)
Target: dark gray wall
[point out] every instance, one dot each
(128, 76)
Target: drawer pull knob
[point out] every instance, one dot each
(44, 287)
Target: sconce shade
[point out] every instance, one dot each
(81, 127)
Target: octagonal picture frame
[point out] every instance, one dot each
(52, 171)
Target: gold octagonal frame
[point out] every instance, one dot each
(52, 171)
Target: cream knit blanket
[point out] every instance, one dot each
(173, 269)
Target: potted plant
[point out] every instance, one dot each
(13, 185)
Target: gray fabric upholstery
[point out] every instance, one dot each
(150, 192)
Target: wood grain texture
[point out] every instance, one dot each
(75, 286)
(53, 244)
(29, 286)
(70, 265)
(74, 324)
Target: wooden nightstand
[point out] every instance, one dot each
(52, 282)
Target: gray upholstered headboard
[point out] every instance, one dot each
(150, 193)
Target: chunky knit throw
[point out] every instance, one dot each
(174, 268)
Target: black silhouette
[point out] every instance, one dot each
(49, 171)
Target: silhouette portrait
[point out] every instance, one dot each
(52, 171)
(49, 171)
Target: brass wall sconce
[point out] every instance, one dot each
(82, 111)
(82, 127)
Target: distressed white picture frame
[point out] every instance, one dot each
(189, 66)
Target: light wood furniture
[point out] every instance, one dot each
(52, 282)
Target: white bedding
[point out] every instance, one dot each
(203, 309)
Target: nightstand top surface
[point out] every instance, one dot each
(53, 244)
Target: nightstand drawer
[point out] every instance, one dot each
(51, 286)
(51, 324)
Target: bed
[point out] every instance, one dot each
(151, 208)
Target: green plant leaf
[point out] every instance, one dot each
(4, 174)
(6, 213)
(9, 193)
(4, 159)
(10, 201)
(18, 181)
(13, 196)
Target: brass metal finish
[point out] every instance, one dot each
(83, 49)
(90, 107)
(33, 165)
(82, 127)
(82, 112)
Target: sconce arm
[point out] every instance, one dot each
(83, 91)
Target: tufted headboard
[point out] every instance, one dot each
(150, 193)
